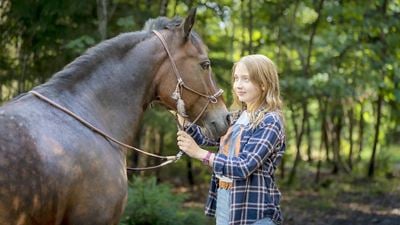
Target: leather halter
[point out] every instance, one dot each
(181, 85)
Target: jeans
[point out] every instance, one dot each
(223, 206)
(265, 221)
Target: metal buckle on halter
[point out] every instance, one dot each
(213, 98)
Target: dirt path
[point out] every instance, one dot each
(337, 202)
(358, 203)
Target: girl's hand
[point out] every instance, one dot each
(189, 146)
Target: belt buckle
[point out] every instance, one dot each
(224, 185)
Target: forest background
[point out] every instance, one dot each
(338, 62)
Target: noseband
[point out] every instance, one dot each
(177, 94)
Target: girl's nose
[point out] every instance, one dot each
(237, 84)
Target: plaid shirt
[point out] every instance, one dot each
(254, 194)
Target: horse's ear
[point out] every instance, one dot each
(188, 23)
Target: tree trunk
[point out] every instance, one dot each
(311, 40)
(336, 142)
(163, 7)
(22, 47)
(383, 53)
(323, 139)
(102, 18)
(175, 6)
(361, 124)
(231, 44)
(336, 145)
(190, 176)
(243, 19)
(299, 137)
(351, 125)
(371, 167)
(159, 142)
(250, 27)
(144, 161)
(133, 156)
(321, 144)
(189, 3)
(333, 143)
(309, 140)
(325, 128)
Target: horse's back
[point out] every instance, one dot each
(54, 170)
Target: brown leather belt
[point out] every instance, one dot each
(224, 185)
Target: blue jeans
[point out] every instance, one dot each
(223, 206)
(265, 221)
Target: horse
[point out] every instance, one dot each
(54, 169)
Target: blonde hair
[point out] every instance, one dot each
(264, 74)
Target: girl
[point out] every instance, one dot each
(243, 189)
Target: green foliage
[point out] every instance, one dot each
(150, 203)
(126, 23)
(80, 44)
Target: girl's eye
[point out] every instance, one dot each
(205, 65)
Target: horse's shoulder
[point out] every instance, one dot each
(13, 130)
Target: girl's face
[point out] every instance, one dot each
(244, 88)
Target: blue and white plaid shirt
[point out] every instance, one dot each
(254, 194)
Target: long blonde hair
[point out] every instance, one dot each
(264, 74)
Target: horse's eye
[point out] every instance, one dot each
(205, 65)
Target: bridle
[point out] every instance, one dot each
(176, 95)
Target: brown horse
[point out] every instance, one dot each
(55, 170)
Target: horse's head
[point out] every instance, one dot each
(184, 80)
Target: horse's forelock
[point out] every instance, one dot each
(160, 23)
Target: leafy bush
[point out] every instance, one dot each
(150, 203)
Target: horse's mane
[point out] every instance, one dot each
(117, 46)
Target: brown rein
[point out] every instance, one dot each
(169, 159)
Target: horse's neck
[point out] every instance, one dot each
(112, 96)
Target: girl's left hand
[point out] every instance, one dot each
(188, 145)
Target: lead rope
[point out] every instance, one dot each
(169, 159)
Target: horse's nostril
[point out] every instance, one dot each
(228, 118)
